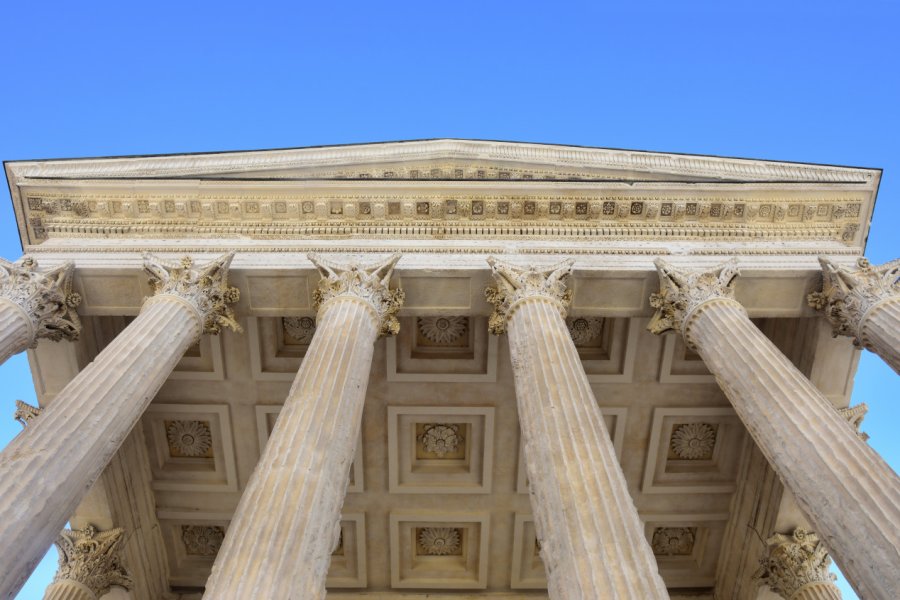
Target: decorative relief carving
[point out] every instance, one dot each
(693, 441)
(45, 296)
(366, 282)
(205, 288)
(439, 541)
(584, 330)
(855, 416)
(443, 331)
(848, 296)
(300, 329)
(794, 561)
(91, 558)
(515, 283)
(25, 412)
(673, 541)
(682, 292)
(189, 439)
(202, 540)
(441, 439)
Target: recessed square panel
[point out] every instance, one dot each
(681, 365)
(527, 571)
(693, 450)
(439, 551)
(607, 346)
(686, 546)
(348, 560)
(613, 418)
(278, 345)
(442, 348)
(439, 449)
(192, 540)
(265, 423)
(190, 447)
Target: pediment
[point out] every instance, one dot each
(443, 159)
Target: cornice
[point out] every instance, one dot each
(442, 149)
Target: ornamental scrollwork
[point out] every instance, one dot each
(848, 295)
(515, 283)
(794, 561)
(366, 282)
(203, 287)
(682, 292)
(45, 296)
(91, 558)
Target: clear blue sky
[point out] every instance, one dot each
(803, 81)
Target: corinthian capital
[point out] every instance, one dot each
(849, 295)
(25, 413)
(45, 296)
(205, 288)
(91, 558)
(682, 292)
(368, 283)
(515, 283)
(793, 562)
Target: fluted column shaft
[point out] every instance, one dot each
(880, 332)
(817, 591)
(68, 590)
(46, 469)
(851, 496)
(16, 330)
(286, 525)
(592, 540)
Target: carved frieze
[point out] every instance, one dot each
(202, 540)
(46, 297)
(515, 284)
(91, 558)
(849, 295)
(203, 287)
(794, 561)
(368, 283)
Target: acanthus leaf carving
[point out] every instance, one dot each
(205, 288)
(682, 292)
(368, 283)
(25, 412)
(794, 561)
(91, 558)
(848, 296)
(46, 297)
(515, 284)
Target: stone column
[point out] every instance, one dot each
(850, 495)
(35, 304)
(592, 540)
(89, 565)
(797, 567)
(287, 523)
(863, 304)
(48, 467)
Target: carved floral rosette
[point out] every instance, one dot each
(368, 283)
(91, 558)
(848, 296)
(203, 287)
(682, 293)
(794, 561)
(515, 284)
(45, 296)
